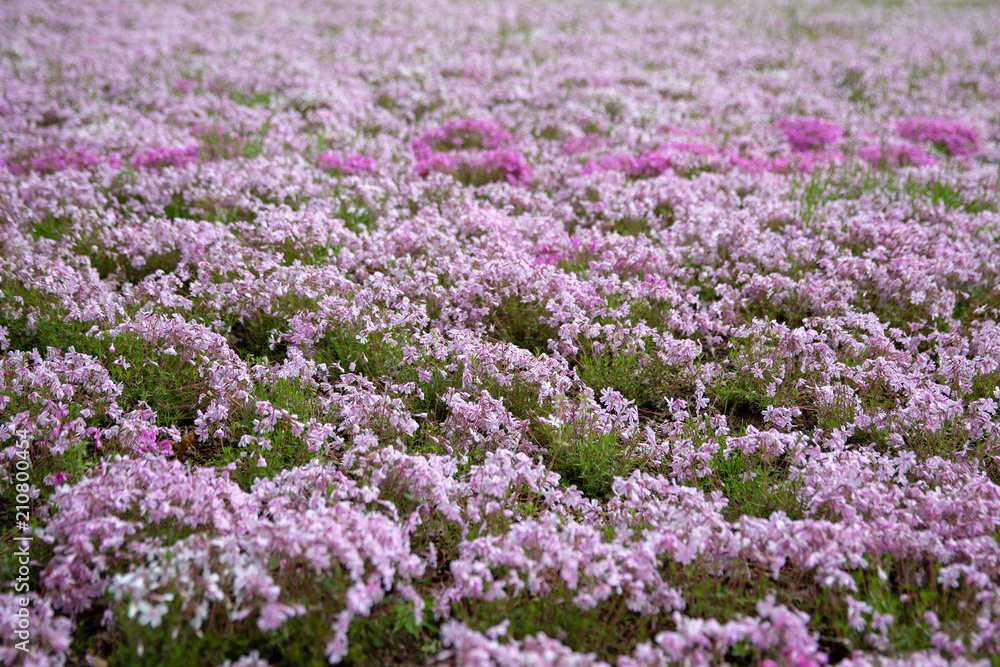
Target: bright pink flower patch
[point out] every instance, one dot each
(348, 164)
(949, 136)
(810, 134)
(53, 160)
(895, 155)
(461, 134)
(159, 158)
(471, 151)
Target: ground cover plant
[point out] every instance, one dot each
(499, 333)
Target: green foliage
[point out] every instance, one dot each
(508, 32)
(180, 207)
(358, 215)
(478, 175)
(977, 302)
(905, 590)
(740, 401)
(854, 180)
(50, 328)
(254, 145)
(550, 133)
(300, 641)
(631, 226)
(643, 380)
(286, 449)
(813, 193)
(52, 227)
(390, 631)
(798, 29)
(307, 254)
(755, 485)
(608, 630)
(108, 261)
(522, 324)
(708, 595)
(665, 213)
(167, 383)
(217, 144)
(588, 459)
(385, 101)
(742, 396)
(854, 86)
(252, 99)
(391, 635)
(951, 197)
(375, 356)
(250, 336)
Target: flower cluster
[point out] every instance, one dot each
(461, 134)
(472, 151)
(806, 134)
(158, 158)
(953, 137)
(340, 163)
(52, 160)
(895, 155)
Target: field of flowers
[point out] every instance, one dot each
(509, 333)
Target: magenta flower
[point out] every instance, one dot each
(649, 164)
(478, 167)
(346, 163)
(461, 134)
(808, 134)
(159, 158)
(949, 136)
(471, 151)
(895, 155)
(50, 161)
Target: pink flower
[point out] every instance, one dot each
(159, 158)
(478, 167)
(806, 134)
(575, 145)
(349, 163)
(460, 134)
(895, 155)
(950, 136)
(274, 614)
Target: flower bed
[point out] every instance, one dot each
(510, 333)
